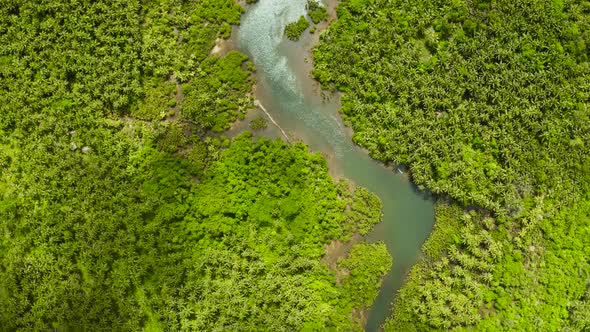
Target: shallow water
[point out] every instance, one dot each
(294, 100)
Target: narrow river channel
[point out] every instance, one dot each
(294, 100)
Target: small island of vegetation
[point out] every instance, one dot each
(294, 30)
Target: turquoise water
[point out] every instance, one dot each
(295, 102)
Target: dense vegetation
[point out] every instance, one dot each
(316, 11)
(217, 96)
(117, 212)
(487, 102)
(294, 30)
(211, 92)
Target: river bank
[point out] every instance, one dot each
(296, 102)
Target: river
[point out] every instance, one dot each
(294, 100)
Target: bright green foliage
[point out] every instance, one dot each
(366, 264)
(203, 21)
(284, 191)
(486, 101)
(316, 11)
(475, 276)
(247, 240)
(257, 226)
(357, 6)
(442, 290)
(178, 35)
(541, 284)
(47, 61)
(294, 30)
(365, 210)
(159, 97)
(216, 96)
(580, 313)
(496, 112)
(110, 222)
(80, 234)
(214, 92)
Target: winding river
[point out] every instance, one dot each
(295, 102)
